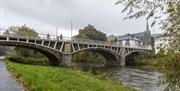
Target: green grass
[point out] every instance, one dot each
(44, 78)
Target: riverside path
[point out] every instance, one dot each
(7, 83)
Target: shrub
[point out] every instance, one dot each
(29, 60)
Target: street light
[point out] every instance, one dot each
(71, 29)
(56, 32)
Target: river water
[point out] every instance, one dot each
(137, 78)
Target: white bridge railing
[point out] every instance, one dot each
(40, 36)
(69, 39)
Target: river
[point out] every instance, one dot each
(137, 78)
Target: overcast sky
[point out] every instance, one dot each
(45, 15)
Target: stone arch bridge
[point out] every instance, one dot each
(61, 51)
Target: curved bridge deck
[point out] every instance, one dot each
(58, 50)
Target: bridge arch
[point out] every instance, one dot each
(130, 56)
(53, 55)
(111, 58)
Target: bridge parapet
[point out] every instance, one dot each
(77, 41)
(72, 40)
(106, 43)
(40, 36)
(61, 48)
(66, 48)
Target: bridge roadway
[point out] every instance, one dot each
(61, 51)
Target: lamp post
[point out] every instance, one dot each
(71, 29)
(56, 32)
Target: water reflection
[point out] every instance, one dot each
(140, 79)
(130, 76)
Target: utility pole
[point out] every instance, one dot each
(71, 29)
(56, 32)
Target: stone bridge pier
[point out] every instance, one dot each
(67, 59)
(123, 63)
(67, 56)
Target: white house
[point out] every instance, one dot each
(130, 42)
(161, 42)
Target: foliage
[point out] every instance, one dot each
(28, 60)
(4, 50)
(21, 31)
(112, 39)
(45, 78)
(24, 53)
(166, 13)
(91, 33)
(148, 8)
(88, 56)
(170, 63)
(140, 59)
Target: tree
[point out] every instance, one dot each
(166, 14)
(89, 57)
(91, 33)
(7, 32)
(4, 50)
(23, 31)
(24, 55)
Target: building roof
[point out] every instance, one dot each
(136, 36)
(123, 36)
(135, 39)
(141, 34)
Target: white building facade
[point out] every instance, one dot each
(130, 42)
(162, 42)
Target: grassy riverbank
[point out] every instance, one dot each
(44, 78)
